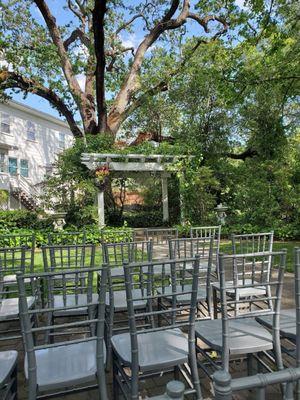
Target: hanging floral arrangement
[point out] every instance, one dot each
(102, 176)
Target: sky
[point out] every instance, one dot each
(129, 40)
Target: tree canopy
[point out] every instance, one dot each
(76, 55)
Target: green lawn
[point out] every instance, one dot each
(38, 260)
(225, 247)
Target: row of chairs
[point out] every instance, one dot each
(149, 348)
(181, 284)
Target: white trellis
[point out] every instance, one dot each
(119, 163)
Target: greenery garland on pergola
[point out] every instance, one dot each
(117, 164)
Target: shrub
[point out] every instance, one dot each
(23, 219)
(144, 219)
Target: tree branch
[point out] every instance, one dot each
(84, 104)
(249, 153)
(77, 34)
(205, 21)
(114, 54)
(131, 84)
(78, 14)
(128, 23)
(11, 80)
(57, 40)
(163, 85)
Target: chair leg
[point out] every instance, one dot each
(250, 364)
(176, 373)
(15, 384)
(297, 392)
(194, 370)
(115, 380)
(109, 333)
(215, 303)
(259, 365)
(209, 304)
(159, 309)
(260, 393)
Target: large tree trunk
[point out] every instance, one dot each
(88, 116)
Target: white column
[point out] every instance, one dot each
(101, 220)
(164, 186)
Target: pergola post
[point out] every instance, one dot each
(101, 219)
(165, 199)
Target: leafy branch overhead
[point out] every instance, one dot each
(51, 55)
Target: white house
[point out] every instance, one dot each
(29, 143)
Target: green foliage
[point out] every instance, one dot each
(197, 187)
(144, 219)
(224, 101)
(21, 219)
(72, 186)
(3, 197)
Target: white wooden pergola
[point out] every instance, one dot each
(138, 163)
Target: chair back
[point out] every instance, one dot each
(297, 304)
(117, 236)
(252, 243)
(188, 247)
(206, 232)
(170, 314)
(116, 254)
(161, 235)
(142, 275)
(58, 258)
(26, 241)
(12, 260)
(67, 257)
(268, 303)
(36, 338)
(66, 238)
(185, 248)
(225, 387)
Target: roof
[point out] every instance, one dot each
(37, 113)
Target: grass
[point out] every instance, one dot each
(39, 266)
(225, 247)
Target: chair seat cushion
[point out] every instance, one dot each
(244, 292)
(12, 280)
(9, 308)
(158, 269)
(160, 349)
(245, 335)
(66, 365)
(120, 302)
(202, 265)
(72, 300)
(287, 323)
(117, 272)
(8, 360)
(185, 298)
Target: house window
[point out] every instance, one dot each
(5, 123)
(24, 168)
(31, 130)
(61, 140)
(2, 162)
(12, 166)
